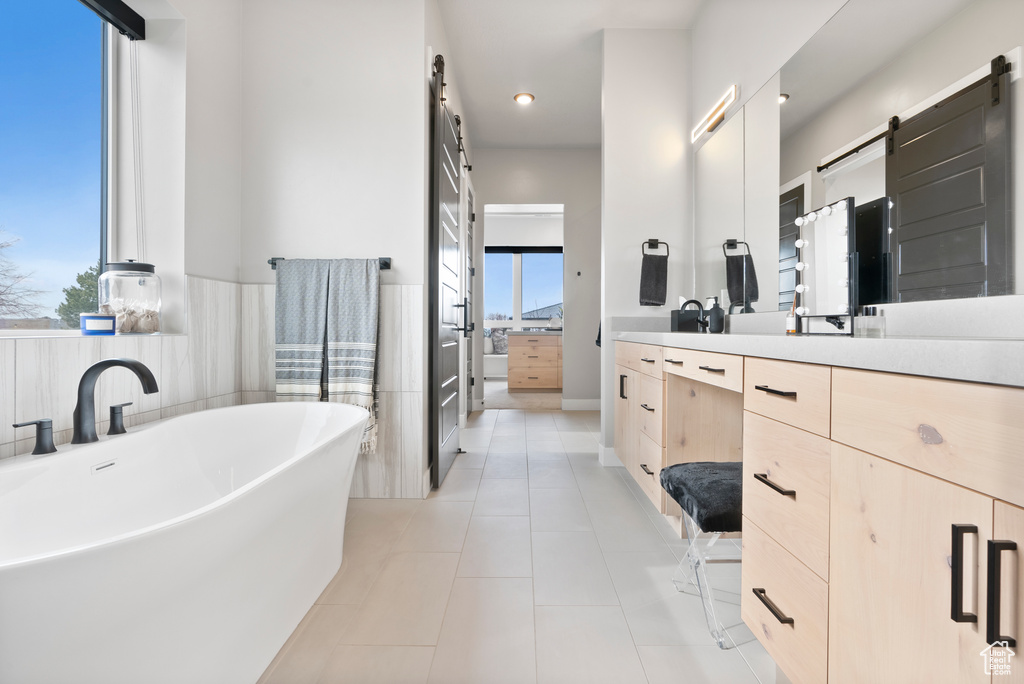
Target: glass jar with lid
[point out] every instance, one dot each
(130, 290)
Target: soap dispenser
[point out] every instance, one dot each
(716, 316)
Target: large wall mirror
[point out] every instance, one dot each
(940, 215)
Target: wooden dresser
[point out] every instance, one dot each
(534, 361)
(882, 513)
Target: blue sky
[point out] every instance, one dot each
(542, 282)
(50, 80)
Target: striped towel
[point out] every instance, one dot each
(300, 322)
(353, 305)
(326, 332)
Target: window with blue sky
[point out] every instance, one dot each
(50, 148)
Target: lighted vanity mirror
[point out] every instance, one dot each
(946, 163)
(826, 269)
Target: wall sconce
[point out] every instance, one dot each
(715, 116)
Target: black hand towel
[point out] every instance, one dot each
(653, 280)
(735, 265)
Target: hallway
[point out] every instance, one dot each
(532, 563)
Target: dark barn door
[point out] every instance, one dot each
(791, 205)
(948, 173)
(445, 314)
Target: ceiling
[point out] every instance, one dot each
(551, 48)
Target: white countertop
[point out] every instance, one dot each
(995, 361)
(535, 332)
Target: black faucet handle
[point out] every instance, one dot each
(44, 435)
(117, 419)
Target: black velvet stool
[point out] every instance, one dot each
(711, 496)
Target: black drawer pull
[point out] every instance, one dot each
(779, 615)
(709, 369)
(647, 360)
(643, 467)
(645, 407)
(533, 357)
(622, 387)
(531, 377)
(995, 550)
(763, 477)
(769, 390)
(957, 601)
(678, 363)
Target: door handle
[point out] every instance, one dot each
(709, 369)
(622, 387)
(957, 600)
(763, 477)
(995, 557)
(762, 595)
(769, 390)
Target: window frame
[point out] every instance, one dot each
(518, 322)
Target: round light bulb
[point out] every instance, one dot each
(891, 204)
(826, 210)
(844, 282)
(801, 310)
(844, 308)
(842, 230)
(800, 266)
(799, 221)
(802, 288)
(800, 243)
(812, 216)
(840, 205)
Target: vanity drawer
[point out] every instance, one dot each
(651, 408)
(628, 354)
(794, 393)
(534, 341)
(966, 433)
(650, 361)
(534, 356)
(800, 648)
(534, 378)
(721, 370)
(799, 463)
(651, 456)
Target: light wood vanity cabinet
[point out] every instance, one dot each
(534, 362)
(853, 482)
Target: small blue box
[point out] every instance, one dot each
(97, 324)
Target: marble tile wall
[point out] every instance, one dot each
(396, 468)
(39, 376)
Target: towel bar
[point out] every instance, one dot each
(385, 263)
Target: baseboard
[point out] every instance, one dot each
(581, 404)
(606, 456)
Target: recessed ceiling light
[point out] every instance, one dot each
(523, 98)
(783, 97)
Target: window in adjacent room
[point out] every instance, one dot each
(52, 163)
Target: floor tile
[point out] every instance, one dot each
(505, 466)
(304, 656)
(503, 497)
(378, 665)
(458, 485)
(507, 445)
(569, 570)
(551, 475)
(473, 459)
(488, 633)
(586, 644)
(703, 664)
(437, 526)
(558, 510)
(474, 437)
(497, 546)
(642, 578)
(406, 606)
(545, 446)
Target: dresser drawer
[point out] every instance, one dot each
(963, 432)
(651, 408)
(534, 378)
(534, 341)
(650, 361)
(721, 370)
(800, 648)
(794, 393)
(798, 463)
(532, 356)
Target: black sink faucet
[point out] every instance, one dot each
(85, 409)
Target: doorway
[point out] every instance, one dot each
(523, 305)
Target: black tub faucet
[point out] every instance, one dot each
(85, 409)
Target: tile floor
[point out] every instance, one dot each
(497, 396)
(531, 563)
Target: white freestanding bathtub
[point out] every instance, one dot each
(186, 552)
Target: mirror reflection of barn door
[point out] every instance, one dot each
(468, 312)
(791, 205)
(445, 312)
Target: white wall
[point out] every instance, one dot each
(524, 230)
(744, 42)
(572, 178)
(646, 169)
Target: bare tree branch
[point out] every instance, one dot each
(17, 300)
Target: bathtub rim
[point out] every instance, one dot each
(24, 561)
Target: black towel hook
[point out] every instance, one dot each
(732, 243)
(653, 243)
